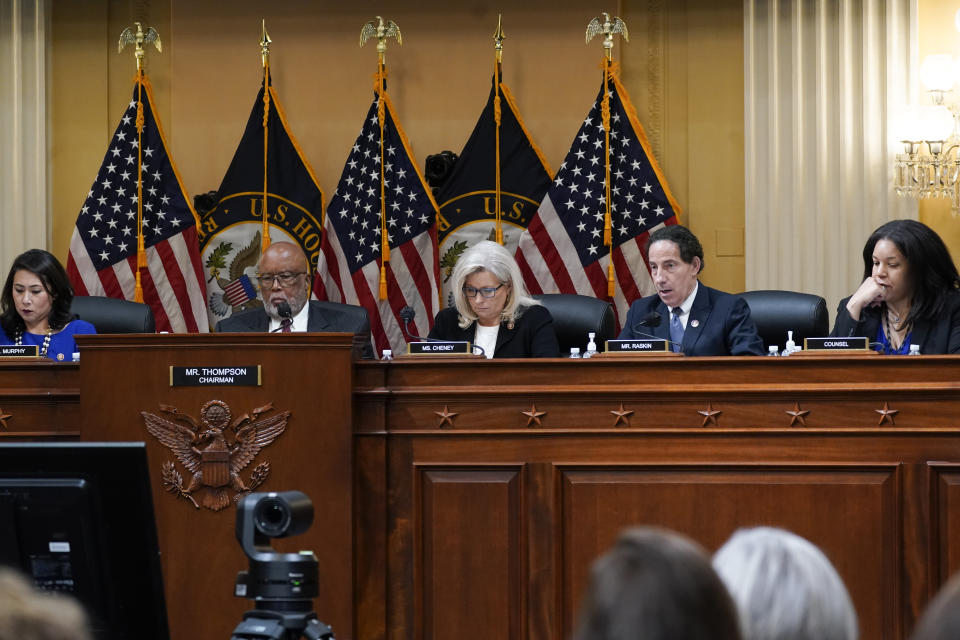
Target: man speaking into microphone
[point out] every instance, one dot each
(697, 320)
(283, 276)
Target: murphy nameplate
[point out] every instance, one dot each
(19, 351)
(219, 376)
(835, 344)
(438, 348)
(640, 345)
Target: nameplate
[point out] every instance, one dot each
(19, 351)
(438, 348)
(215, 376)
(836, 344)
(634, 346)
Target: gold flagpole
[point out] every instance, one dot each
(498, 47)
(265, 59)
(382, 31)
(136, 35)
(607, 28)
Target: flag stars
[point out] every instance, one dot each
(93, 231)
(647, 188)
(115, 151)
(594, 161)
(104, 256)
(148, 152)
(106, 184)
(111, 168)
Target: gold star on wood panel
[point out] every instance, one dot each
(623, 416)
(798, 415)
(533, 416)
(446, 416)
(3, 419)
(710, 416)
(887, 415)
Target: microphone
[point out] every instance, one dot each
(407, 314)
(284, 311)
(653, 320)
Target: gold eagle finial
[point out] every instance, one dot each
(381, 30)
(138, 37)
(607, 27)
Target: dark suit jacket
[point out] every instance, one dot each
(724, 326)
(939, 335)
(323, 316)
(532, 335)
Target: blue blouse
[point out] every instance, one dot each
(62, 345)
(883, 344)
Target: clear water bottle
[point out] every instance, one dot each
(773, 350)
(791, 346)
(591, 346)
(575, 352)
(387, 354)
(914, 350)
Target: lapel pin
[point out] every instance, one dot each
(694, 323)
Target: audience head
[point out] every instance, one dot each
(656, 585)
(29, 614)
(487, 285)
(914, 263)
(37, 294)
(283, 273)
(941, 619)
(785, 587)
(676, 260)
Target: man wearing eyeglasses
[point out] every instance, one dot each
(283, 277)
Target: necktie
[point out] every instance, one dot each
(676, 328)
(286, 323)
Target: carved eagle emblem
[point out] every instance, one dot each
(215, 450)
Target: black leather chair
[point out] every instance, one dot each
(776, 312)
(111, 315)
(575, 316)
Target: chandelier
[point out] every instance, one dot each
(929, 166)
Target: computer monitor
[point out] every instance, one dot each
(78, 518)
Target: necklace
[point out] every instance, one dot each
(893, 333)
(18, 341)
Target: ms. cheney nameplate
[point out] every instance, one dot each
(835, 344)
(438, 348)
(19, 351)
(639, 345)
(248, 376)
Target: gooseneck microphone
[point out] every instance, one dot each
(407, 314)
(284, 311)
(652, 320)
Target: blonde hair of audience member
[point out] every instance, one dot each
(655, 584)
(941, 618)
(493, 258)
(785, 587)
(29, 614)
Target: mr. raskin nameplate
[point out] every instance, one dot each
(244, 376)
(621, 346)
(836, 344)
(19, 351)
(438, 348)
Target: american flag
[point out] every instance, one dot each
(103, 249)
(349, 266)
(562, 250)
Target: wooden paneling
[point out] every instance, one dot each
(469, 542)
(39, 399)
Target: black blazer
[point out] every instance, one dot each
(723, 324)
(322, 316)
(532, 335)
(937, 335)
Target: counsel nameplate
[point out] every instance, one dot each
(639, 345)
(438, 348)
(243, 376)
(834, 344)
(19, 351)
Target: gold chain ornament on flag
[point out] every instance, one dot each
(382, 31)
(137, 36)
(265, 59)
(608, 28)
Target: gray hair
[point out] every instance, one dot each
(492, 257)
(785, 587)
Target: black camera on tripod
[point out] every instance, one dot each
(282, 585)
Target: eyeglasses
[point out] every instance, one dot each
(285, 279)
(486, 292)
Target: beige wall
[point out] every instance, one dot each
(683, 69)
(938, 34)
